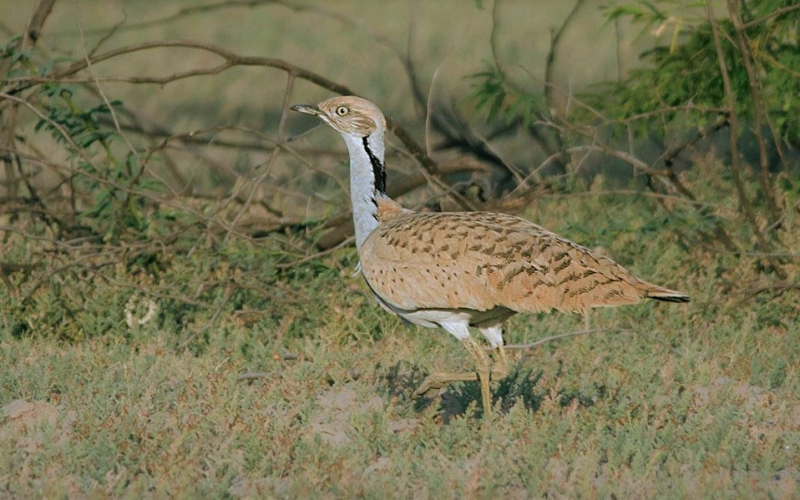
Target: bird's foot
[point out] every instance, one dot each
(433, 384)
(500, 368)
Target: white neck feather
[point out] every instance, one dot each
(363, 192)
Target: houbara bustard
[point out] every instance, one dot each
(460, 270)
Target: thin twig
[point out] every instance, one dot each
(252, 376)
(590, 331)
(754, 85)
(773, 14)
(736, 169)
(555, 39)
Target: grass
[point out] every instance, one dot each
(701, 402)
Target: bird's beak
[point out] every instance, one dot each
(308, 109)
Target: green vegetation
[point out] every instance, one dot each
(177, 321)
(701, 401)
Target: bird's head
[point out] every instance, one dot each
(349, 115)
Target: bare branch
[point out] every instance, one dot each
(776, 13)
(555, 39)
(36, 23)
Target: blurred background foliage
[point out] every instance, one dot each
(139, 135)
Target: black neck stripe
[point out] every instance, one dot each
(378, 168)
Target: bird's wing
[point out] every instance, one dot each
(480, 261)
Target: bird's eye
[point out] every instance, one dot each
(342, 110)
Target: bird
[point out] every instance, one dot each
(462, 270)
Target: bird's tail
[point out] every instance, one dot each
(665, 294)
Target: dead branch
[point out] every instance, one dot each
(230, 60)
(37, 21)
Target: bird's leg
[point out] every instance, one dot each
(437, 380)
(494, 335)
(500, 369)
(482, 363)
(440, 379)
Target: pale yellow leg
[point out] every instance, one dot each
(437, 380)
(500, 368)
(440, 379)
(482, 363)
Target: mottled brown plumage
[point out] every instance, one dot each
(461, 270)
(482, 261)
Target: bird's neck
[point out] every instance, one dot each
(367, 181)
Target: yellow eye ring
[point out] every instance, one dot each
(342, 110)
